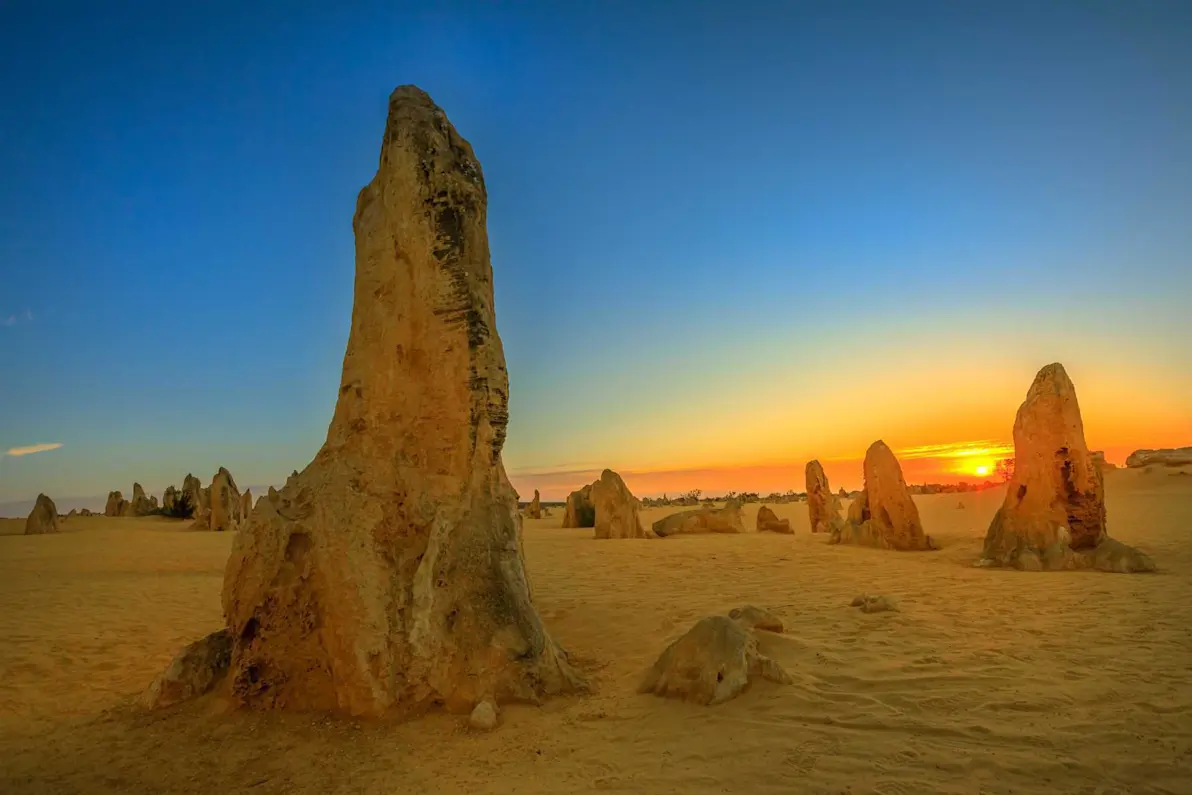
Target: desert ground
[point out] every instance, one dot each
(984, 681)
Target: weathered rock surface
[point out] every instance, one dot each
(768, 522)
(751, 617)
(139, 505)
(387, 576)
(193, 488)
(580, 511)
(245, 505)
(483, 717)
(196, 670)
(534, 509)
(1053, 516)
(714, 662)
(116, 504)
(43, 518)
(616, 508)
(224, 511)
(169, 499)
(702, 520)
(823, 507)
(1168, 457)
(884, 515)
(1099, 461)
(872, 603)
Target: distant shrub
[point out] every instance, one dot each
(181, 509)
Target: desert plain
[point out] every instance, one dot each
(982, 681)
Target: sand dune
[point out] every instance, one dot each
(984, 682)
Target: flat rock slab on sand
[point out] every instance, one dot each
(714, 662)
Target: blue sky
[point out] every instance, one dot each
(815, 213)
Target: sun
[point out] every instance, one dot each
(982, 470)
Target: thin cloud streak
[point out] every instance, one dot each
(984, 447)
(33, 448)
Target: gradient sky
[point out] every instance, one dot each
(726, 239)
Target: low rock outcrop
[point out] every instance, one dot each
(872, 603)
(1168, 457)
(714, 662)
(702, 520)
(884, 515)
(197, 669)
(751, 617)
(1100, 463)
(43, 518)
(1053, 516)
(768, 522)
(616, 508)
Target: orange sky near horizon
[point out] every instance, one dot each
(972, 461)
(771, 440)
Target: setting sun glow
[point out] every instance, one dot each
(982, 470)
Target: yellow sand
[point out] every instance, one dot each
(985, 682)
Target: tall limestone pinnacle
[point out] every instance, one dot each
(387, 576)
(1054, 516)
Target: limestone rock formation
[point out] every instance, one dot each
(116, 504)
(712, 663)
(224, 502)
(193, 488)
(884, 514)
(196, 670)
(245, 505)
(483, 717)
(43, 518)
(1168, 457)
(857, 509)
(534, 509)
(768, 522)
(871, 603)
(86, 512)
(169, 499)
(823, 507)
(842, 494)
(387, 576)
(580, 511)
(702, 520)
(616, 508)
(1053, 516)
(1099, 461)
(140, 504)
(751, 617)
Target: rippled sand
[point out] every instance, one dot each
(984, 682)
